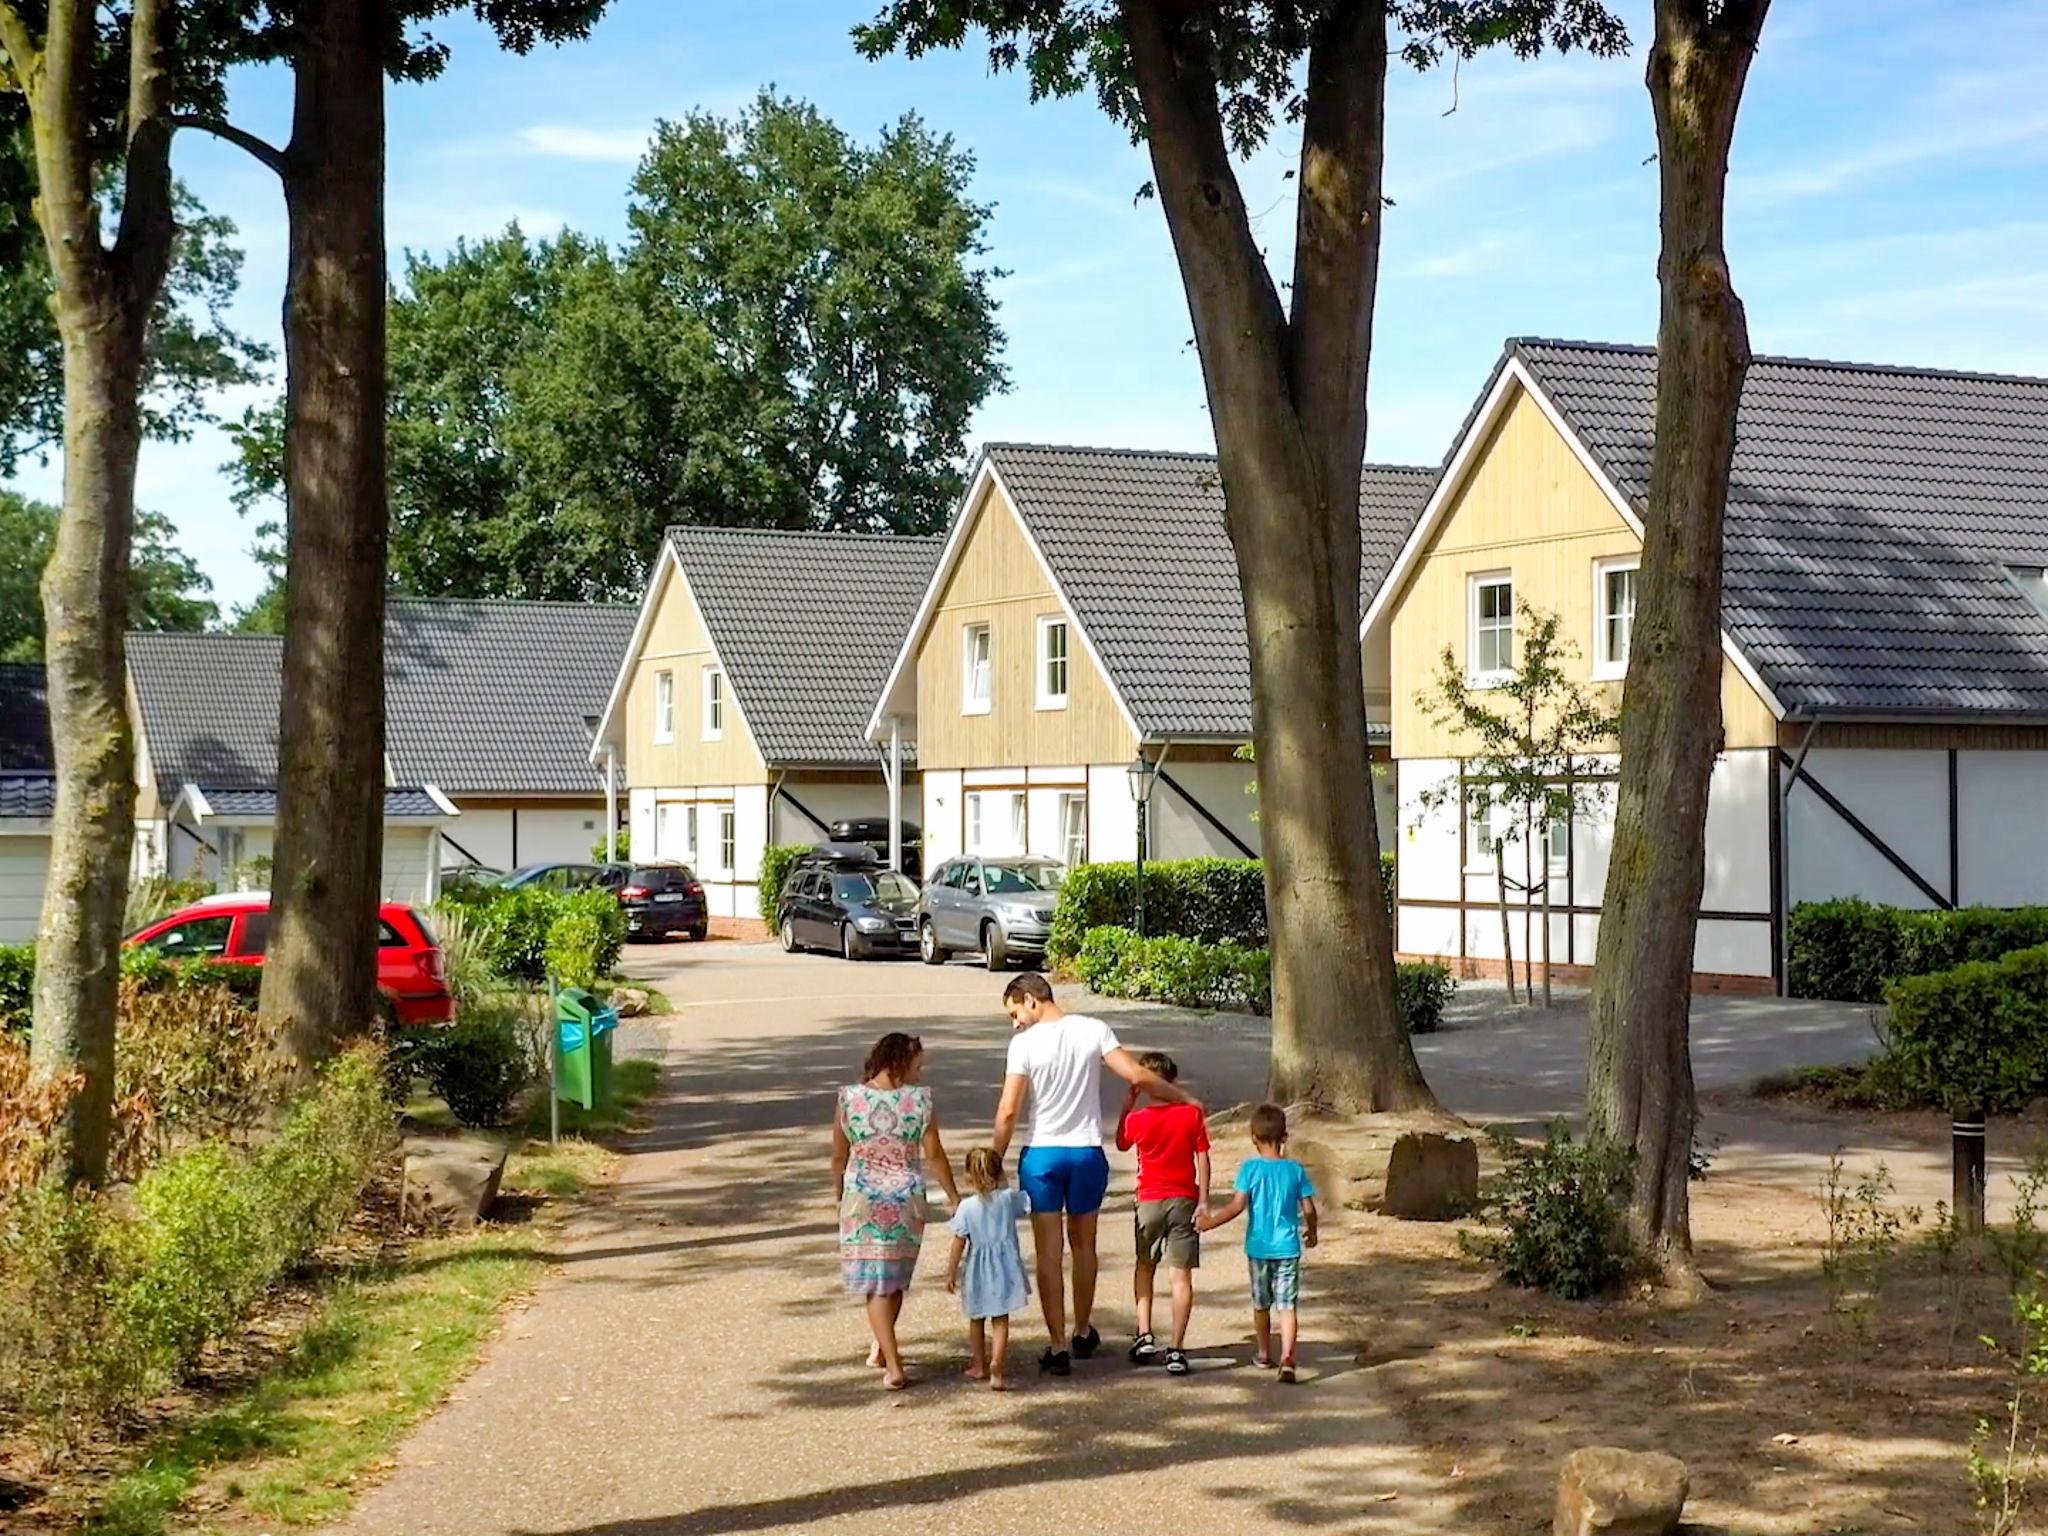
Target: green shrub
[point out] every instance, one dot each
(66, 1364)
(585, 938)
(1556, 1211)
(510, 928)
(157, 896)
(1218, 901)
(623, 850)
(192, 1059)
(1387, 896)
(203, 1254)
(468, 951)
(1189, 973)
(1974, 1037)
(1851, 950)
(477, 1066)
(1422, 987)
(776, 863)
(17, 987)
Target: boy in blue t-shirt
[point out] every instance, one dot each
(1281, 1199)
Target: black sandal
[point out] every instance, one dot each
(1144, 1350)
(1055, 1362)
(1177, 1362)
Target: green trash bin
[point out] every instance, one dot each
(583, 1032)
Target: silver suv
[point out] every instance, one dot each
(1000, 908)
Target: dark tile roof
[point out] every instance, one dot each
(24, 717)
(1872, 515)
(398, 802)
(496, 697)
(807, 626)
(480, 697)
(1137, 543)
(27, 795)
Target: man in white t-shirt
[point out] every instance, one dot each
(1056, 1059)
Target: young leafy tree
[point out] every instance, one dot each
(1201, 83)
(1526, 737)
(166, 588)
(99, 85)
(1639, 1088)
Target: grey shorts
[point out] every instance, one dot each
(1166, 1229)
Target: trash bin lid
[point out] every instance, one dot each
(575, 1003)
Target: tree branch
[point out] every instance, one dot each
(18, 43)
(261, 148)
(142, 248)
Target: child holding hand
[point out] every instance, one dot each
(1277, 1192)
(1172, 1141)
(991, 1283)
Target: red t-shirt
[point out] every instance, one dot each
(1167, 1137)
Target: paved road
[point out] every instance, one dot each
(694, 1370)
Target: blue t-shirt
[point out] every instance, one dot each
(1277, 1186)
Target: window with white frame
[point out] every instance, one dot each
(714, 704)
(728, 839)
(1485, 823)
(977, 685)
(1493, 627)
(1614, 614)
(1557, 846)
(664, 706)
(1052, 663)
(1073, 828)
(995, 821)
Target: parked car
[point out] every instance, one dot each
(412, 976)
(554, 877)
(472, 874)
(874, 832)
(860, 912)
(661, 899)
(1001, 908)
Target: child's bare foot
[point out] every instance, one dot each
(999, 1383)
(974, 1373)
(896, 1381)
(875, 1356)
(1263, 1361)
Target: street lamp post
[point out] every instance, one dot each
(1142, 773)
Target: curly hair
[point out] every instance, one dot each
(893, 1054)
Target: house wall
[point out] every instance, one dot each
(1528, 506)
(685, 824)
(831, 797)
(677, 642)
(999, 580)
(412, 859)
(24, 864)
(412, 864)
(506, 833)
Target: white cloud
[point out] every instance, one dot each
(604, 146)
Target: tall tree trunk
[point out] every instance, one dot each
(320, 976)
(1639, 1087)
(1287, 398)
(103, 300)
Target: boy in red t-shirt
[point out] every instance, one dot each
(1173, 1185)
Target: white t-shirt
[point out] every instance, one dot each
(1063, 1059)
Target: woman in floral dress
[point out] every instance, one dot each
(883, 1130)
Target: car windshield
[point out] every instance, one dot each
(1022, 877)
(883, 885)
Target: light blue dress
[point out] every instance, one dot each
(992, 1282)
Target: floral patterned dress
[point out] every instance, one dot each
(882, 1204)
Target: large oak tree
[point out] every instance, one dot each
(1202, 82)
(1639, 1087)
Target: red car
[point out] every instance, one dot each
(235, 928)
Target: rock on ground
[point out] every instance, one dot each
(452, 1178)
(630, 1002)
(1431, 1177)
(1604, 1491)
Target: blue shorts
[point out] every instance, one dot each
(1070, 1179)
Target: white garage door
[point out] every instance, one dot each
(23, 863)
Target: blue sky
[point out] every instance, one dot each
(1889, 202)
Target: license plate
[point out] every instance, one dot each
(668, 896)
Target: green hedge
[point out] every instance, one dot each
(18, 973)
(1851, 950)
(1218, 901)
(777, 860)
(510, 929)
(1190, 973)
(1974, 1037)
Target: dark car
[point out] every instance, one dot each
(874, 832)
(860, 912)
(554, 877)
(661, 900)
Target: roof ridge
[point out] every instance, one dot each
(1789, 360)
(397, 598)
(1178, 453)
(677, 530)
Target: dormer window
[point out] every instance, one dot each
(2032, 580)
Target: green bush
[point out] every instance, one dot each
(1851, 950)
(509, 928)
(17, 987)
(1556, 1211)
(1973, 1037)
(1189, 973)
(192, 1059)
(477, 1066)
(577, 940)
(1387, 896)
(1219, 901)
(622, 851)
(776, 862)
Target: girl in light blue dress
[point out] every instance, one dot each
(991, 1283)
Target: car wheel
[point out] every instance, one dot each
(699, 935)
(789, 945)
(993, 949)
(928, 949)
(851, 944)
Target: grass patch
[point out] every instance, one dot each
(289, 1446)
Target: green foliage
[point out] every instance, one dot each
(147, 967)
(192, 1059)
(104, 1301)
(1215, 900)
(1852, 950)
(508, 930)
(623, 850)
(1388, 887)
(1975, 1037)
(479, 1065)
(576, 939)
(17, 987)
(1193, 973)
(795, 334)
(158, 896)
(468, 952)
(1556, 1213)
(168, 589)
(1858, 1249)
(776, 863)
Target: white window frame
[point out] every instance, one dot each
(969, 704)
(1477, 582)
(1048, 623)
(714, 703)
(1479, 859)
(979, 827)
(1557, 854)
(664, 707)
(1607, 668)
(728, 839)
(1073, 827)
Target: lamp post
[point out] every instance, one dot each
(1142, 772)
